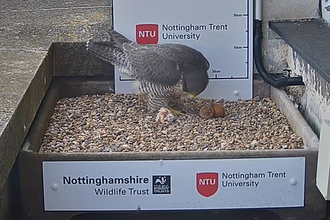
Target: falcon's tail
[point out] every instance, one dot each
(118, 38)
(107, 51)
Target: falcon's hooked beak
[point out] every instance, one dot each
(192, 95)
(188, 95)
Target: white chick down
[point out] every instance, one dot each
(164, 116)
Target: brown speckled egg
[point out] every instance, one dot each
(219, 110)
(206, 111)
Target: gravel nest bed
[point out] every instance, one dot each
(121, 123)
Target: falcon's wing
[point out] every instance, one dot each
(160, 64)
(152, 67)
(145, 64)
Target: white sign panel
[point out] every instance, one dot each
(221, 29)
(326, 10)
(174, 184)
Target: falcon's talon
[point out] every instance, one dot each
(176, 112)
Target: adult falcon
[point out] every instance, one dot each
(164, 72)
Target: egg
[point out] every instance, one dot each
(206, 111)
(219, 110)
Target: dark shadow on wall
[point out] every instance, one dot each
(10, 201)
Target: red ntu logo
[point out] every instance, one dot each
(207, 183)
(147, 33)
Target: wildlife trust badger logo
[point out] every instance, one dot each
(207, 183)
(161, 184)
(147, 33)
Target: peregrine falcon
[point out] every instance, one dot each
(164, 72)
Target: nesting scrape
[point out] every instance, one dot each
(121, 123)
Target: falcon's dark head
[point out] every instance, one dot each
(195, 82)
(195, 77)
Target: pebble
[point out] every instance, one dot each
(121, 123)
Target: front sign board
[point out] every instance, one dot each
(173, 184)
(221, 30)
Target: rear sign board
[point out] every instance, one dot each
(173, 184)
(221, 29)
(326, 10)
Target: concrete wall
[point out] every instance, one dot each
(275, 49)
(315, 96)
